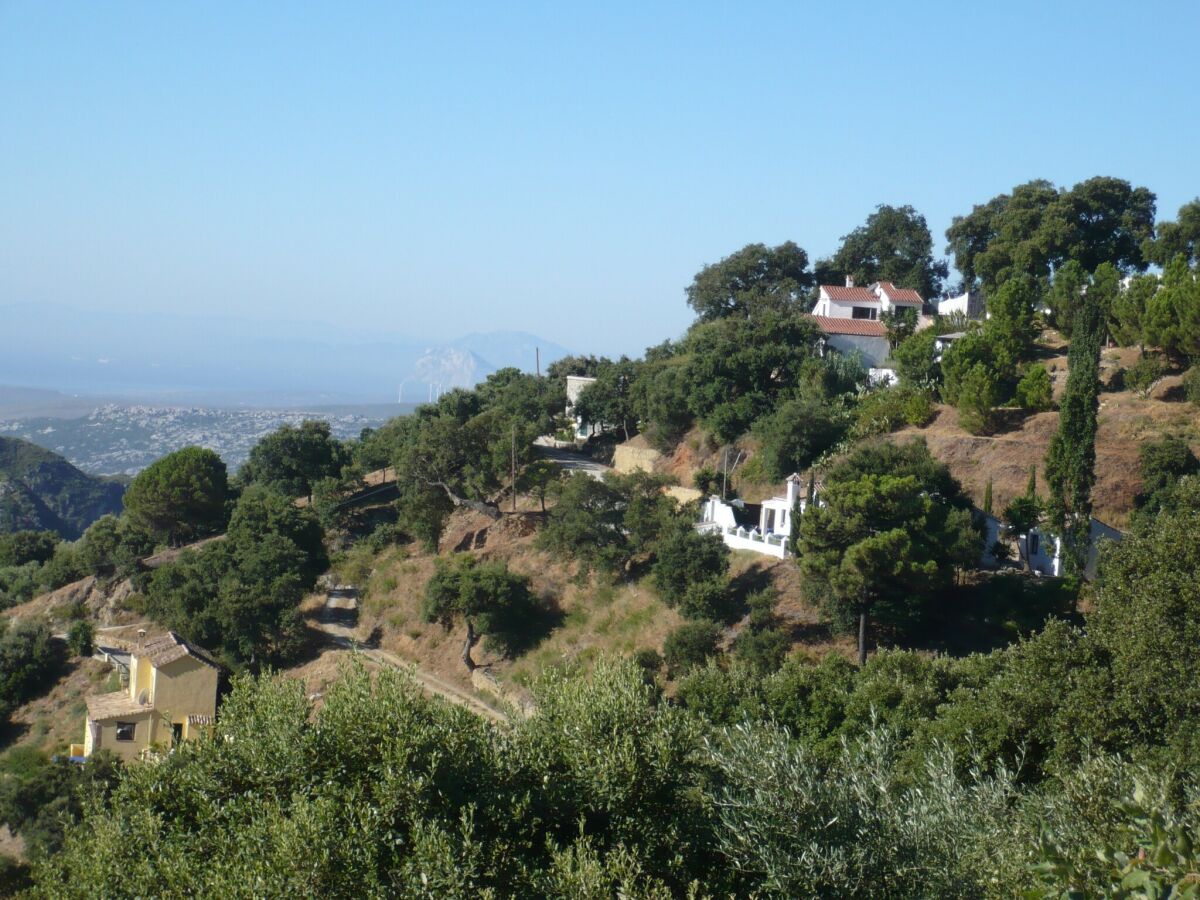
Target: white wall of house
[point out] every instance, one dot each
(575, 386)
(1042, 551)
(969, 304)
(874, 350)
(774, 522)
(844, 309)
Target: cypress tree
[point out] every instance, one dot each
(987, 498)
(1071, 457)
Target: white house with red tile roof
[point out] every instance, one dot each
(866, 337)
(851, 302)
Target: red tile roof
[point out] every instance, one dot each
(856, 294)
(860, 327)
(903, 296)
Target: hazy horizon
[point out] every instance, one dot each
(449, 171)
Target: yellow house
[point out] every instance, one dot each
(172, 697)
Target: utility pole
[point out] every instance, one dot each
(537, 355)
(725, 478)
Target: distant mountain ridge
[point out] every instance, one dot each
(41, 491)
(190, 359)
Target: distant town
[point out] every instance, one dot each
(122, 440)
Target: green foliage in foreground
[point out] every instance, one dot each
(606, 791)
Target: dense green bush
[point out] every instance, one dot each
(1034, 390)
(690, 645)
(686, 558)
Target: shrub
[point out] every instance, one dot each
(1144, 374)
(710, 599)
(978, 396)
(762, 650)
(883, 410)
(1034, 390)
(80, 638)
(686, 557)
(797, 433)
(690, 645)
(1191, 385)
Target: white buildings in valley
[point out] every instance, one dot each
(762, 527)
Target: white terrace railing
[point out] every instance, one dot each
(739, 538)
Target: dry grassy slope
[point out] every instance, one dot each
(594, 617)
(1126, 422)
(56, 719)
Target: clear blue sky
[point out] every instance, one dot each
(559, 168)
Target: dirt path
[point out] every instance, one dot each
(339, 618)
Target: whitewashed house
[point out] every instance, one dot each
(849, 320)
(1042, 552)
(851, 302)
(762, 527)
(969, 304)
(575, 386)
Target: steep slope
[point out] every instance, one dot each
(42, 491)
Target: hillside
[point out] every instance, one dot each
(41, 491)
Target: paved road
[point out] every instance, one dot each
(574, 462)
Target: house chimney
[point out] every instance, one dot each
(141, 637)
(793, 489)
(849, 281)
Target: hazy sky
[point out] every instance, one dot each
(554, 167)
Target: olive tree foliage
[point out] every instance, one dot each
(403, 795)
(239, 597)
(181, 496)
(799, 827)
(754, 280)
(291, 459)
(492, 602)
(895, 245)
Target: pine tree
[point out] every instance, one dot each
(1071, 457)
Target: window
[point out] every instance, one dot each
(862, 312)
(1033, 544)
(125, 730)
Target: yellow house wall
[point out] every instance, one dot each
(184, 688)
(141, 677)
(126, 750)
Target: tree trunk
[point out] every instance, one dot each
(492, 512)
(468, 644)
(862, 638)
